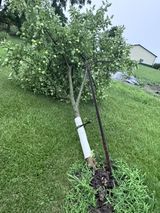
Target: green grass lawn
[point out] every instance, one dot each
(132, 119)
(38, 143)
(147, 74)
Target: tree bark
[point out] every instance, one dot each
(81, 89)
(72, 98)
(78, 121)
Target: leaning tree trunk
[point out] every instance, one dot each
(78, 121)
(75, 105)
(84, 141)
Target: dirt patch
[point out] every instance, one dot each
(102, 181)
(154, 89)
(107, 208)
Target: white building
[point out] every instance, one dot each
(142, 55)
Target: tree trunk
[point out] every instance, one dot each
(84, 142)
(78, 121)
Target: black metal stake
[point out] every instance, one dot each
(104, 141)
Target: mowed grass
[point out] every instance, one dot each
(147, 74)
(34, 151)
(38, 143)
(132, 119)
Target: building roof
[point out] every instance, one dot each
(144, 48)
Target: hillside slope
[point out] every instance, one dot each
(147, 74)
(38, 143)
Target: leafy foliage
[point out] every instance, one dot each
(12, 16)
(40, 63)
(13, 30)
(3, 36)
(130, 195)
(60, 5)
(82, 195)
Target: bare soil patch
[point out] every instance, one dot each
(155, 89)
(102, 181)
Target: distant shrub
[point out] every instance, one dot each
(13, 30)
(3, 26)
(156, 66)
(147, 65)
(3, 36)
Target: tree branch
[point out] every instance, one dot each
(81, 89)
(49, 34)
(71, 90)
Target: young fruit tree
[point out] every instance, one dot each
(54, 59)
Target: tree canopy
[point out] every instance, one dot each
(10, 17)
(49, 50)
(55, 59)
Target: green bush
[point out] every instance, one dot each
(13, 30)
(3, 26)
(3, 36)
(51, 50)
(156, 66)
(129, 196)
(82, 195)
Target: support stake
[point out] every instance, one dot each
(104, 141)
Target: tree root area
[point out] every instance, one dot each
(102, 181)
